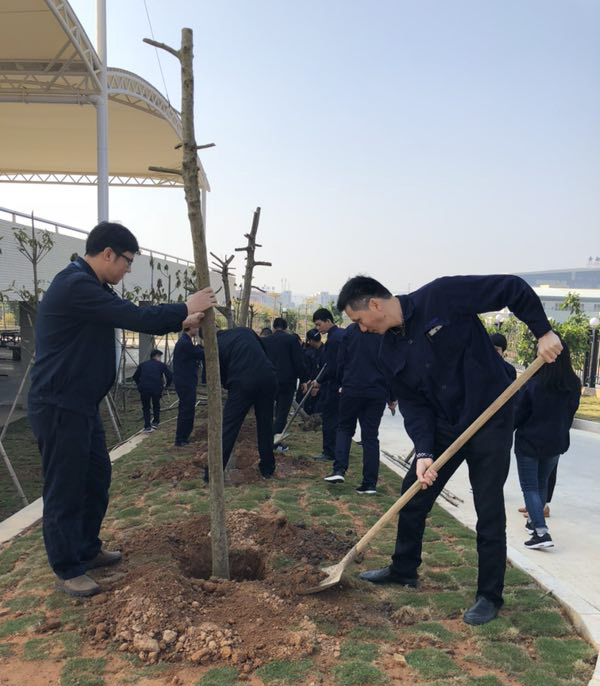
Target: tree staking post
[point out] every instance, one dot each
(250, 264)
(221, 266)
(189, 172)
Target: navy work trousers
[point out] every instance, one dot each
(283, 403)
(76, 469)
(185, 412)
(330, 416)
(368, 412)
(148, 398)
(240, 399)
(488, 457)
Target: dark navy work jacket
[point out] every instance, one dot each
(543, 418)
(75, 353)
(358, 369)
(243, 359)
(285, 352)
(186, 360)
(442, 363)
(149, 376)
(313, 360)
(330, 355)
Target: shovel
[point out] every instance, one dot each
(284, 434)
(334, 573)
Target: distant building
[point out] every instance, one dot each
(583, 277)
(552, 298)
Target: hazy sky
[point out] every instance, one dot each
(401, 139)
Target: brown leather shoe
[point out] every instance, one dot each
(103, 559)
(79, 586)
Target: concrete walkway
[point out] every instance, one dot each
(570, 570)
(29, 515)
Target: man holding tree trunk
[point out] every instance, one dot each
(75, 366)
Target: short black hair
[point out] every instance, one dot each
(357, 292)
(322, 314)
(110, 235)
(313, 335)
(155, 353)
(265, 331)
(499, 341)
(279, 323)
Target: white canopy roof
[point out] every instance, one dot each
(48, 84)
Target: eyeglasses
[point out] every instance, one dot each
(129, 260)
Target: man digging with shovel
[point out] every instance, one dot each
(445, 372)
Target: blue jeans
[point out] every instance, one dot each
(533, 475)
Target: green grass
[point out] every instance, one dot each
(16, 626)
(589, 408)
(6, 650)
(561, 655)
(505, 656)
(221, 676)
(431, 663)
(357, 673)
(284, 671)
(24, 602)
(379, 633)
(36, 649)
(435, 629)
(366, 652)
(542, 623)
(82, 671)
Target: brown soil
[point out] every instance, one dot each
(243, 466)
(163, 605)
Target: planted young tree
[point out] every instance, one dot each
(222, 267)
(250, 249)
(34, 248)
(189, 172)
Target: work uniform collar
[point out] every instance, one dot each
(408, 308)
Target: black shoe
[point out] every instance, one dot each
(481, 613)
(537, 542)
(387, 576)
(281, 448)
(181, 444)
(323, 458)
(266, 475)
(529, 526)
(335, 478)
(366, 490)
(154, 425)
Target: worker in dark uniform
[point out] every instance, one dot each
(250, 379)
(363, 397)
(187, 357)
(151, 377)
(499, 342)
(313, 350)
(328, 386)
(445, 373)
(75, 366)
(285, 352)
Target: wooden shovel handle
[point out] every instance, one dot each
(451, 450)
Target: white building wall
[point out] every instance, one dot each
(16, 269)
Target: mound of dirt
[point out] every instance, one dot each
(164, 606)
(243, 467)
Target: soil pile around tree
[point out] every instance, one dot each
(162, 604)
(243, 467)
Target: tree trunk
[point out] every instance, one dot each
(243, 318)
(220, 554)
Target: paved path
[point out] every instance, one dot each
(571, 568)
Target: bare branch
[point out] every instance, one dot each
(166, 170)
(163, 46)
(258, 288)
(198, 147)
(263, 264)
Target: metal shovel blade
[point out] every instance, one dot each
(277, 438)
(334, 573)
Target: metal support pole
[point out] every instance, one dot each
(13, 476)
(594, 358)
(113, 419)
(102, 113)
(16, 400)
